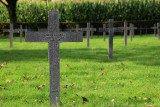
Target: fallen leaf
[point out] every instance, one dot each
(67, 65)
(95, 88)
(144, 98)
(122, 64)
(85, 99)
(3, 65)
(26, 101)
(8, 81)
(93, 81)
(122, 69)
(150, 106)
(65, 86)
(2, 87)
(109, 105)
(100, 96)
(103, 82)
(64, 93)
(41, 86)
(140, 98)
(118, 83)
(103, 74)
(25, 81)
(72, 85)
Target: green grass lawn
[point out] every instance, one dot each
(131, 79)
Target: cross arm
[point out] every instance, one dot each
(35, 36)
(16, 30)
(6, 30)
(103, 30)
(72, 37)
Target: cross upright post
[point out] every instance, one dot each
(155, 30)
(158, 30)
(125, 33)
(53, 36)
(92, 30)
(21, 30)
(111, 34)
(11, 31)
(88, 30)
(140, 30)
(131, 32)
(111, 31)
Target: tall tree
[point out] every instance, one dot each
(11, 7)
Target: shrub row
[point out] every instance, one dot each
(86, 11)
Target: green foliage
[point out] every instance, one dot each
(86, 11)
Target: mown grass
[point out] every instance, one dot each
(130, 79)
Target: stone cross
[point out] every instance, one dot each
(104, 32)
(93, 29)
(158, 30)
(77, 29)
(88, 30)
(21, 30)
(140, 30)
(54, 37)
(132, 29)
(11, 31)
(155, 30)
(146, 28)
(111, 31)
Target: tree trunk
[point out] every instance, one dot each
(12, 12)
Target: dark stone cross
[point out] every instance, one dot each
(77, 29)
(104, 32)
(111, 31)
(146, 28)
(140, 29)
(93, 30)
(11, 32)
(54, 37)
(155, 30)
(131, 29)
(88, 30)
(158, 30)
(21, 30)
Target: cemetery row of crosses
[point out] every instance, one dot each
(53, 35)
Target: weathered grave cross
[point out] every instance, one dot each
(155, 30)
(11, 31)
(54, 37)
(88, 30)
(21, 30)
(111, 31)
(131, 28)
(158, 30)
(93, 29)
(77, 29)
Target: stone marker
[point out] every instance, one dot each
(111, 31)
(11, 31)
(21, 30)
(54, 37)
(140, 29)
(93, 29)
(146, 28)
(77, 29)
(111, 34)
(125, 33)
(88, 30)
(155, 30)
(158, 30)
(104, 33)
